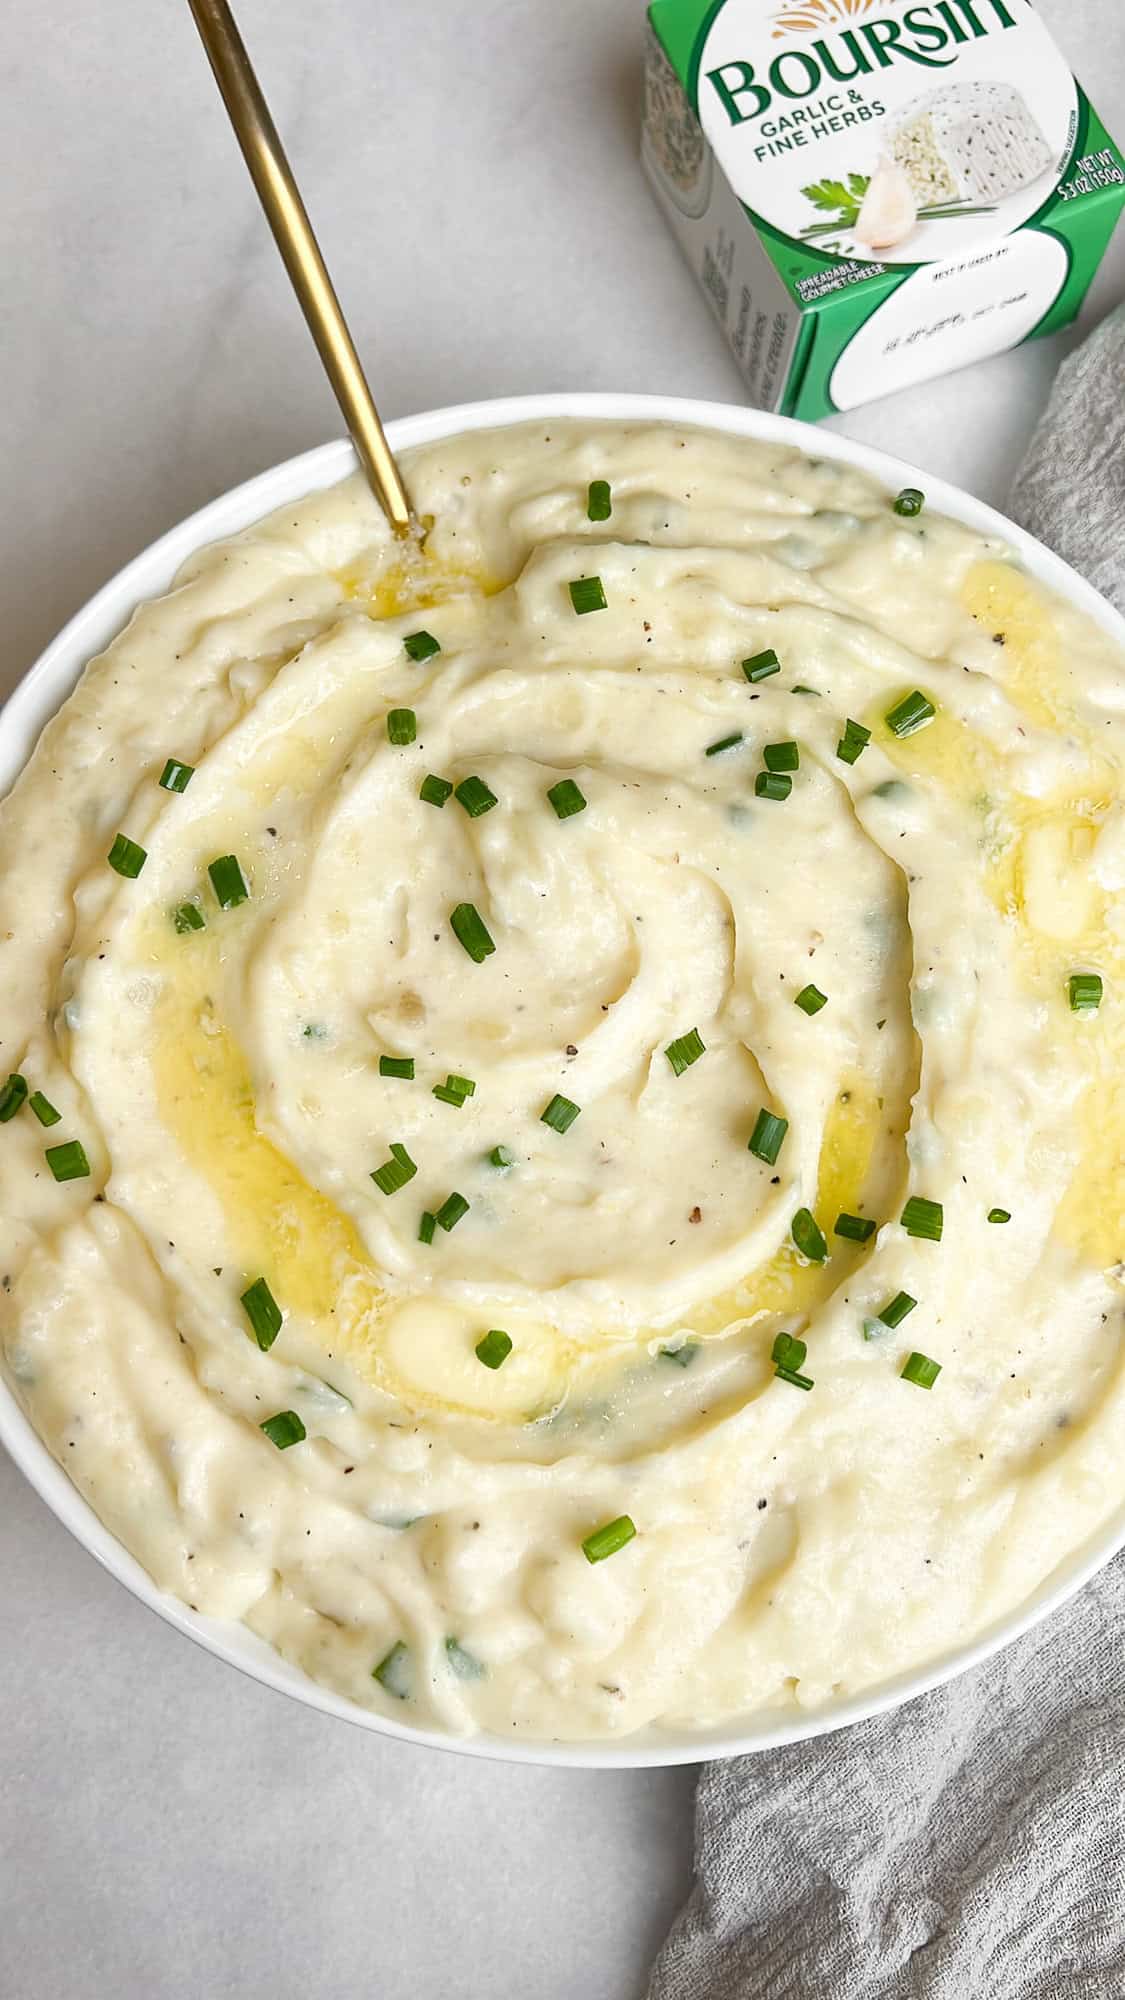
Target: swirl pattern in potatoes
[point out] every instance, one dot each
(563, 1150)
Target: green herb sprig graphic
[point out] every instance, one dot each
(841, 200)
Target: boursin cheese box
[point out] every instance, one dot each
(873, 192)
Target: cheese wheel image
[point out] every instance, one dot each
(969, 142)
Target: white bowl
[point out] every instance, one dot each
(35, 701)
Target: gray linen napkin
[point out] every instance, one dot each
(970, 1846)
(1070, 489)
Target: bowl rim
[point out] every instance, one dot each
(41, 692)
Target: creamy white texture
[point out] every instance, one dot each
(226, 1086)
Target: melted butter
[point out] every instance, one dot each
(315, 1262)
(309, 1252)
(284, 1229)
(1091, 1216)
(293, 763)
(416, 582)
(1044, 879)
(949, 753)
(1037, 851)
(1039, 876)
(970, 769)
(312, 1254)
(1006, 602)
(856, 1174)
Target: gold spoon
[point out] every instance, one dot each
(288, 218)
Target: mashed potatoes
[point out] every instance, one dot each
(589, 1161)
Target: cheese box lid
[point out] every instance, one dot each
(866, 139)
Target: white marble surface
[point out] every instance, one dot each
(168, 1830)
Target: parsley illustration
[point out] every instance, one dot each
(842, 201)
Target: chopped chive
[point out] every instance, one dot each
(435, 791)
(1086, 992)
(909, 502)
(794, 1378)
(126, 857)
(495, 1348)
(560, 1114)
(471, 932)
(587, 593)
(924, 1219)
(567, 798)
(810, 1000)
(454, 1090)
(263, 1313)
(284, 1429)
(854, 1228)
(402, 725)
(464, 1664)
(807, 1236)
(452, 1209)
(188, 917)
(599, 500)
(773, 785)
(13, 1094)
(762, 665)
(426, 1227)
(43, 1108)
(781, 756)
(393, 1671)
(911, 715)
(853, 742)
(607, 1540)
(421, 646)
(799, 687)
(685, 1050)
(501, 1157)
(900, 1308)
(724, 743)
(475, 796)
(402, 1066)
(921, 1371)
(69, 1162)
(788, 1351)
(683, 1355)
(395, 1172)
(176, 777)
(999, 1214)
(767, 1136)
(228, 881)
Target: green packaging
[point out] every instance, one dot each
(874, 192)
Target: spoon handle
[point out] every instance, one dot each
(287, 217)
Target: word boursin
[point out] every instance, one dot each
(929, 36)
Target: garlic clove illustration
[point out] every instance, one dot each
(889, 212)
